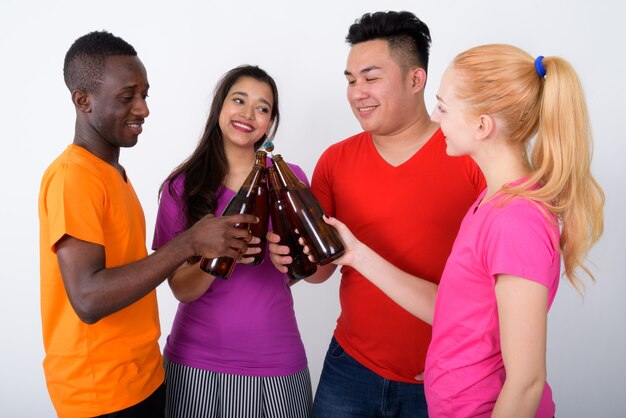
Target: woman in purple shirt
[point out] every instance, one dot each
(234, 349)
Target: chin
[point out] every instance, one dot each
(451, 152)
(129, 144)
(367, 124)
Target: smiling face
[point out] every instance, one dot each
(118, 109)
(379, 91)
(458, 123)
(246, 114)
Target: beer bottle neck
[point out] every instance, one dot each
(273, 182)
(256, 174)
(261, 158)
(287, 177)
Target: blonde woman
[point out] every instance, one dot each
(541, 206)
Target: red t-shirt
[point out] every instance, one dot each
(408, 214)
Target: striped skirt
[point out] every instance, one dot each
(197, 393)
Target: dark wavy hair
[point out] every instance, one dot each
(408, 37)
(84, 61)
(207, 167)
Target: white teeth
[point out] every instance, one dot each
(241, 125)
(365, 109)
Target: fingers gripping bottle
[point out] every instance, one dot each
(242, 203)
(321, 238)
(280, 213)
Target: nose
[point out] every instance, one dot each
(141, 108)
(246, 112)
(357, 91)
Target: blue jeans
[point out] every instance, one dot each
(347, 389)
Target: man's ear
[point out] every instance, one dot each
(82, 101)
(486, 127)
(418, 78)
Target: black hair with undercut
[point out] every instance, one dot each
(408, 37)
(84, 61)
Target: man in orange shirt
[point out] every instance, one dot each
(98, 300)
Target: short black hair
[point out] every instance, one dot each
(408, 37)
(84, 61)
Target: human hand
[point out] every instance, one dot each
(279, 254)
(351, 244)
(213, 237)
(253, 248)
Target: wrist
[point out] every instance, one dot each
(184, 244)
(360, 255)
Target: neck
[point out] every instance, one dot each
(408, 132)
(501, 164)
(95, 144)
(239, 158)
(398, 146)
(240, 162)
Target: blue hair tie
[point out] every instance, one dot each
(539, 66)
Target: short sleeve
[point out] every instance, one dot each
(75, 202)
(299, 173)
(523, 241)
(171, 219)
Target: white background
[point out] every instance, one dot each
(186, 46)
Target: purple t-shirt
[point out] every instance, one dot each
(245, 325)
(464, 366)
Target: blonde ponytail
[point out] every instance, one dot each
(503, 81)
(561, 161)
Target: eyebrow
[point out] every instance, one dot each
(130, 87)
(440, 99)
(364, 70)
(242, 93)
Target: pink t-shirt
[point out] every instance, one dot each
(464, 367)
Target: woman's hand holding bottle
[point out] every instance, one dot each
(354, 249)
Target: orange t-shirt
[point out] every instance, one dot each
(410, 215)
(115, 363)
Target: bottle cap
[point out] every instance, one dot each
(269, 146)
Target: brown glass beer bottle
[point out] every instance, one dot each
(242, 203)
(282, 225)
(321, 238)
(261, 211)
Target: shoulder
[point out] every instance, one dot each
(524, 219)
(355, 146)
(172, 191)
(522, 239)
(298, 171)
(515, 207)
(76, 169)
(176, 183)
(348, 144)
